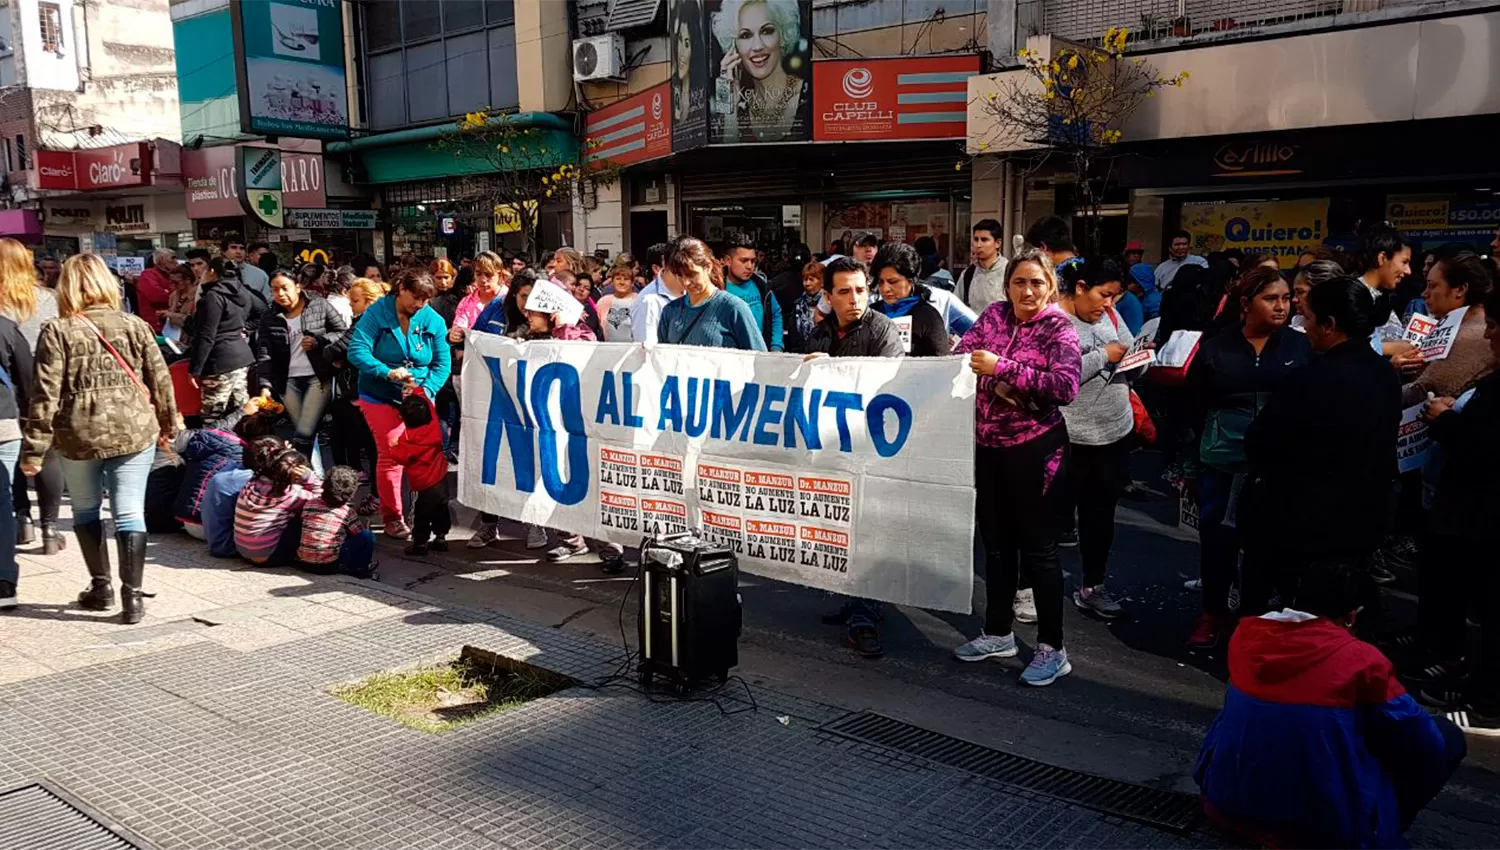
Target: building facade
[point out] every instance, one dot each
(88, 126)
(1302, 120)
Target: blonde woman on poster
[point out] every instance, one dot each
(763, 87)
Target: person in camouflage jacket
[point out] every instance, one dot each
(103, 399)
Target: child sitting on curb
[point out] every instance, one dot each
(217, 506)
(268, 512)
(335, 537)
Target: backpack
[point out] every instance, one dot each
(966, 281)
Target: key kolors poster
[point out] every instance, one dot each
(742, 71)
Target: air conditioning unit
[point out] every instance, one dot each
(599, 57)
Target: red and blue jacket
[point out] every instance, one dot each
(1314, 738)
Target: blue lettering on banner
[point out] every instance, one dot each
(767, 415)
(505, 422)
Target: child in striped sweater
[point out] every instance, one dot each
(268, 512)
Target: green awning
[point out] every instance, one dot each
(422, 154)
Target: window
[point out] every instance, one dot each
(52, 33)
(462, 15)
(21, 153)
(382, 24)
(10, 163)
(420, 19)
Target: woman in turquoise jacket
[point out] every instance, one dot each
(400, 344)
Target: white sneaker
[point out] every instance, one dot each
(1025, 606)
(485, 536)
(536, 537)
(987, 646)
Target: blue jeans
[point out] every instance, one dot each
(125, 479)
(10, 454)
(306, 400)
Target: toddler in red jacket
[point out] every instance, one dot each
(420, 450)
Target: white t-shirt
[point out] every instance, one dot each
(614, 317)
(299, 366)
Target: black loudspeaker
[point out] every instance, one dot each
(690, 611)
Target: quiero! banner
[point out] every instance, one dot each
(924, 97)
(1282, 229)
(855, 476)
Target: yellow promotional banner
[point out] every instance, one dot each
(1281, 229)
(1408, 213)
(508, 219)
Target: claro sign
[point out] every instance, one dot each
(209, 176)
(99, 168)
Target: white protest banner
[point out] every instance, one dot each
(1438, 342)
(1413, 443)
(550, 298)
(854, 475)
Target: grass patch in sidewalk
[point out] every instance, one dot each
(442, 696)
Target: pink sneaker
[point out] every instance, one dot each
(397, 529)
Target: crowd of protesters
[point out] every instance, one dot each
(1279, 426)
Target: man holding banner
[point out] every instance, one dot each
(854, 330)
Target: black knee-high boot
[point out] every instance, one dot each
(101, 593)
(132, 551)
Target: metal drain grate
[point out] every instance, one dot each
(1136, 802)
(34, 817)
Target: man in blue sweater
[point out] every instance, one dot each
(742, 282)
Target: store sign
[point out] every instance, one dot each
(636, 129)
(100, 168)
(1252, 158)
(879, 99)
(508, 218)
(289, 63)
(78, 216)
(258, 184)
(1435, 216)
(332, 219)
(210, 177)
(1281, 229)
(126, 218)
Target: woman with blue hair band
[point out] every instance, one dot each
(765, 66)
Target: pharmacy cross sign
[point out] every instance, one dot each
(268, 205)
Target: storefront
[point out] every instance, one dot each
(325, 219)
(878, 154)
(1280, 193)
(437, 202)
(117, 201)
(827, 195)
(130, 226)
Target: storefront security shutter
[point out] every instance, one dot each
(712, 184)
(851, 171)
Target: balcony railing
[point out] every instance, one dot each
(1167, 21)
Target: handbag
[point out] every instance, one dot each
(118, 359)
(1145, 428)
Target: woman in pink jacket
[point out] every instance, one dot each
(1025, 352)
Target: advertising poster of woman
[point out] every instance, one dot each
(762, 89)
(687, 38)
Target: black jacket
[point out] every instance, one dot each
(1228, 384)
(15, 359)
(1467, 501)
(929, 330)
(273, 347)
(220, 331)
(872, 336)
(336, 354)
(1323, 456)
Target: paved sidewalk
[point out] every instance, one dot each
(210, 725)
